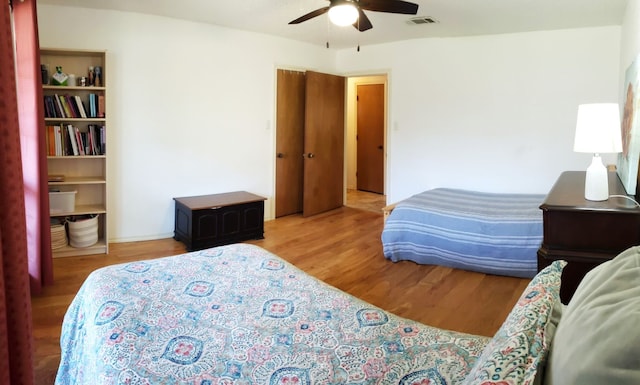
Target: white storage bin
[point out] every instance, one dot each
(83, 232)
(62, 202)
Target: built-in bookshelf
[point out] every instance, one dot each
(76, 132)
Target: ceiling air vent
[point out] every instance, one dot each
(422, 20)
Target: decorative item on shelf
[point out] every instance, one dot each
(97, 72)
(83, 230)
(597, 132)
(59, 78)
(44, 73)
(91, 77)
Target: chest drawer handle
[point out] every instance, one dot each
(214, 208)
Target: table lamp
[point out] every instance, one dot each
(597, 132)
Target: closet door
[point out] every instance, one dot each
(370, 146)
(323, 143)
(289, 141)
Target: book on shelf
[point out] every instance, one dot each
(55, 141)
(61, 112)
(103, 140)
(51, 144)
(72, 139)
(80, 104)
(56, 178)
(73, 106)
(79, 141)
(92, 140)
(93, 105)
(50, 110)
(101, 111)
(68, 106)
(58, 140)
(65, 107)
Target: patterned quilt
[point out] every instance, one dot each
(238, 314)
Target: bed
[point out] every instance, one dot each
(485, 232)
(239, 314)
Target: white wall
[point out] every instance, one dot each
(492, 113)
(190, 108)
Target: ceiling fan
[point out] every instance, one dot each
(354, 11)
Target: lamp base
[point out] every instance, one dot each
(596, 184)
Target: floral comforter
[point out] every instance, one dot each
(238, 314)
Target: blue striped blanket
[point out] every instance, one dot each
(485, 232)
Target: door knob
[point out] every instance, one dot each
(380, 147)
(309, 155)
(280, 155)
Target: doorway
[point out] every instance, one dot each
(370, 138)
(357, 196)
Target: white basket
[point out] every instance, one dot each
(83, 233)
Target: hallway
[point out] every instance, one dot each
(365, 200)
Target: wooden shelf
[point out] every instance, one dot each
(84, 174)
(79, 180)
(71, 120)
(82, 210)
(74, 88)
(78, 157)
(68, 251)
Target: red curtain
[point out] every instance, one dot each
(16, 341)
(33, 143)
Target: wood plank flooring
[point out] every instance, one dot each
(341, 247)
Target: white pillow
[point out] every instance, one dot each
(598, 337)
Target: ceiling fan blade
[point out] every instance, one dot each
(363, 23)
(390, 6)
(310, 15)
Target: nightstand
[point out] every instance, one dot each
(585, 233)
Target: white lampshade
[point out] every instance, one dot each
(597, 131)
(343, 13)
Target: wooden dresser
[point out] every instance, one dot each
(585, 233)
(218, 219)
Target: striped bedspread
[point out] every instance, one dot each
(486, 232)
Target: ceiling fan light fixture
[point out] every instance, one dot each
(343, 14)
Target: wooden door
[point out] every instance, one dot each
(289, 141)
(323, 143)
(370, 138)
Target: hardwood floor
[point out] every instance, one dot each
(341, 247)
(366, 200)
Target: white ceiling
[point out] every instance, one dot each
(455, 17)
